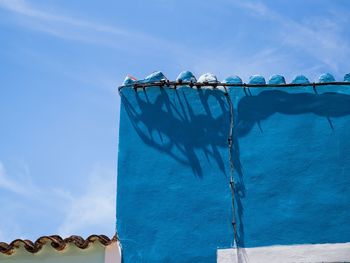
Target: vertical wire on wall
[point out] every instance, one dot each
(232, 182)
(230, 150)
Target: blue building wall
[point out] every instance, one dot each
(291, 160)
(174, 200)
(292, 165)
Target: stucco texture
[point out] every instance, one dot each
(292, 164)
(174, 200)
(291, 157)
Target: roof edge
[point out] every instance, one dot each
(56, 242)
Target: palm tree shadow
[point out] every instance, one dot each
(181, 127)
(185, 123)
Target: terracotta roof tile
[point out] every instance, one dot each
(55, 241)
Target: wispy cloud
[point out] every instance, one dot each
(9, 229)
(310, 46)
(19, 185)
(227, 62)
(255, 8)
(301, 46)
(21, 7)
(66, 27)
(88, 210)
(318, 37)
(60, 25)
(94, 208)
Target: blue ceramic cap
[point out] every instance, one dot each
(257, 79)
(154, 77)
(300, 79)
(129, 80)
(326, 77)
(277, 79)
(233, 80)
(208, 77)
(186, 76)
(347, 77)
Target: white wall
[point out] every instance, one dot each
(96, 253)
(287, 254)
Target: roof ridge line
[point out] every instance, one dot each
(56, 242)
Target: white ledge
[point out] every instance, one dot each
(339, 252)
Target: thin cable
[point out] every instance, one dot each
(220, 84)
(232, 182)
(230, 145)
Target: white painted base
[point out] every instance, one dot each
(287, 254)
(113, 253)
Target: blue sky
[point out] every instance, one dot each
(61, 62)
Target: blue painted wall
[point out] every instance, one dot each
(174, 200)
(292, 160)
(292, 165)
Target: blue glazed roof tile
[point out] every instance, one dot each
(326, 77)
(347, 77)
(300, 79)
(187, 76)
(233, 80)
(154, 77)
(277, 79)
(257, 79)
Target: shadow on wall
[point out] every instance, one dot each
(187, 124)
(252, 109)
(181, 123)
